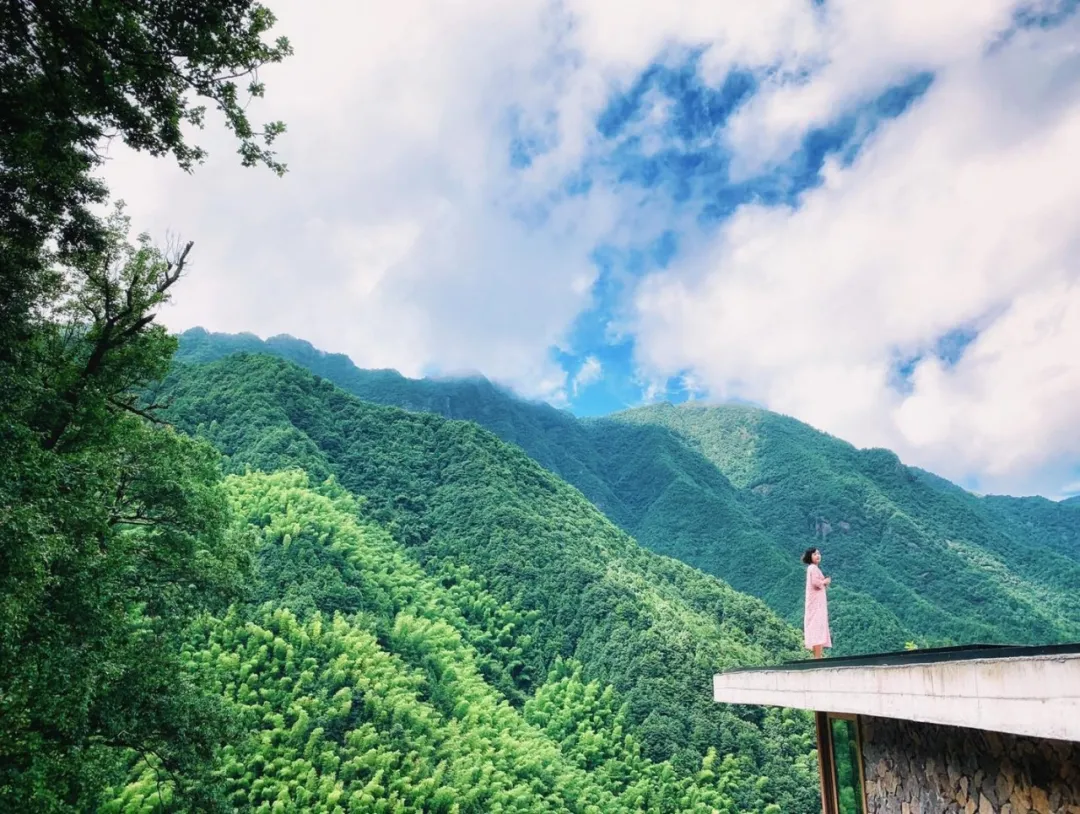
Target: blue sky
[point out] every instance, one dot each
(859, 215)
(691, 176)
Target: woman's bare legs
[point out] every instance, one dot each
(817, 651)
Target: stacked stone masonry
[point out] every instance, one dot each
(914, 768)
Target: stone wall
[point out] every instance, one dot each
(914, 768)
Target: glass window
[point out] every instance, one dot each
(846, 760)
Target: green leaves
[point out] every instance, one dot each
(113, 528)
(114, 533)
(386, 708)
(530, 570)
(73, 75)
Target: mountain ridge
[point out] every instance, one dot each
(739, 491)
(452, 494)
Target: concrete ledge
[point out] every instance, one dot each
(1037, 696)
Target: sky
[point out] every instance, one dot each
(865, 215)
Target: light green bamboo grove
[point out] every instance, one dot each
(385, 707)
(467, 508)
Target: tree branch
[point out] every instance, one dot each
(181, 261)
(144, 413)
(108, 341)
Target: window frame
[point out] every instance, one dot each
(830, 800)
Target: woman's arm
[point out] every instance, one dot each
(817, 579)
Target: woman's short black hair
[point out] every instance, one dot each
(808, 555)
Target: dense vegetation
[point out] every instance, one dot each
(455, 497)
(367, 683)
(1054, 524)
(114, 534)
(114, 531)
(740, 492)
(949, 566)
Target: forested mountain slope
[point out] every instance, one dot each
(553, 438)
(1055, 524)
(645, 479)
(362, 682)
(740, 492)
(949, 564)
(465, 506)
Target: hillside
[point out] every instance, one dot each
(456, 500)
(1053, 524)
(363, 682)
(949, 565)
(645, 479)
(553, 438)
(740, 492)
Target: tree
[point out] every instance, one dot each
(74, 73)
(112, 527)
(113, 534)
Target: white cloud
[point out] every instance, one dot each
(393, 238)
(860, 49)
(397, 237)
(591, 371)
(962, 210)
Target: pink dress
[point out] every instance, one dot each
(816, 617)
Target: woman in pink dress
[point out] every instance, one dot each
(816, 635)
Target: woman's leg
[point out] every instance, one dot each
(817, 651)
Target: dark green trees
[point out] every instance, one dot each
(114, 532)
(73, 74)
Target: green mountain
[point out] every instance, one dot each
(740, 492)
(362, 681)
(497, 639)
(948, 565)
(551, 437)
(1055, 524)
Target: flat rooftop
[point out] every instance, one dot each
(1021, 690)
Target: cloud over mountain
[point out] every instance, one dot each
(860, 214)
